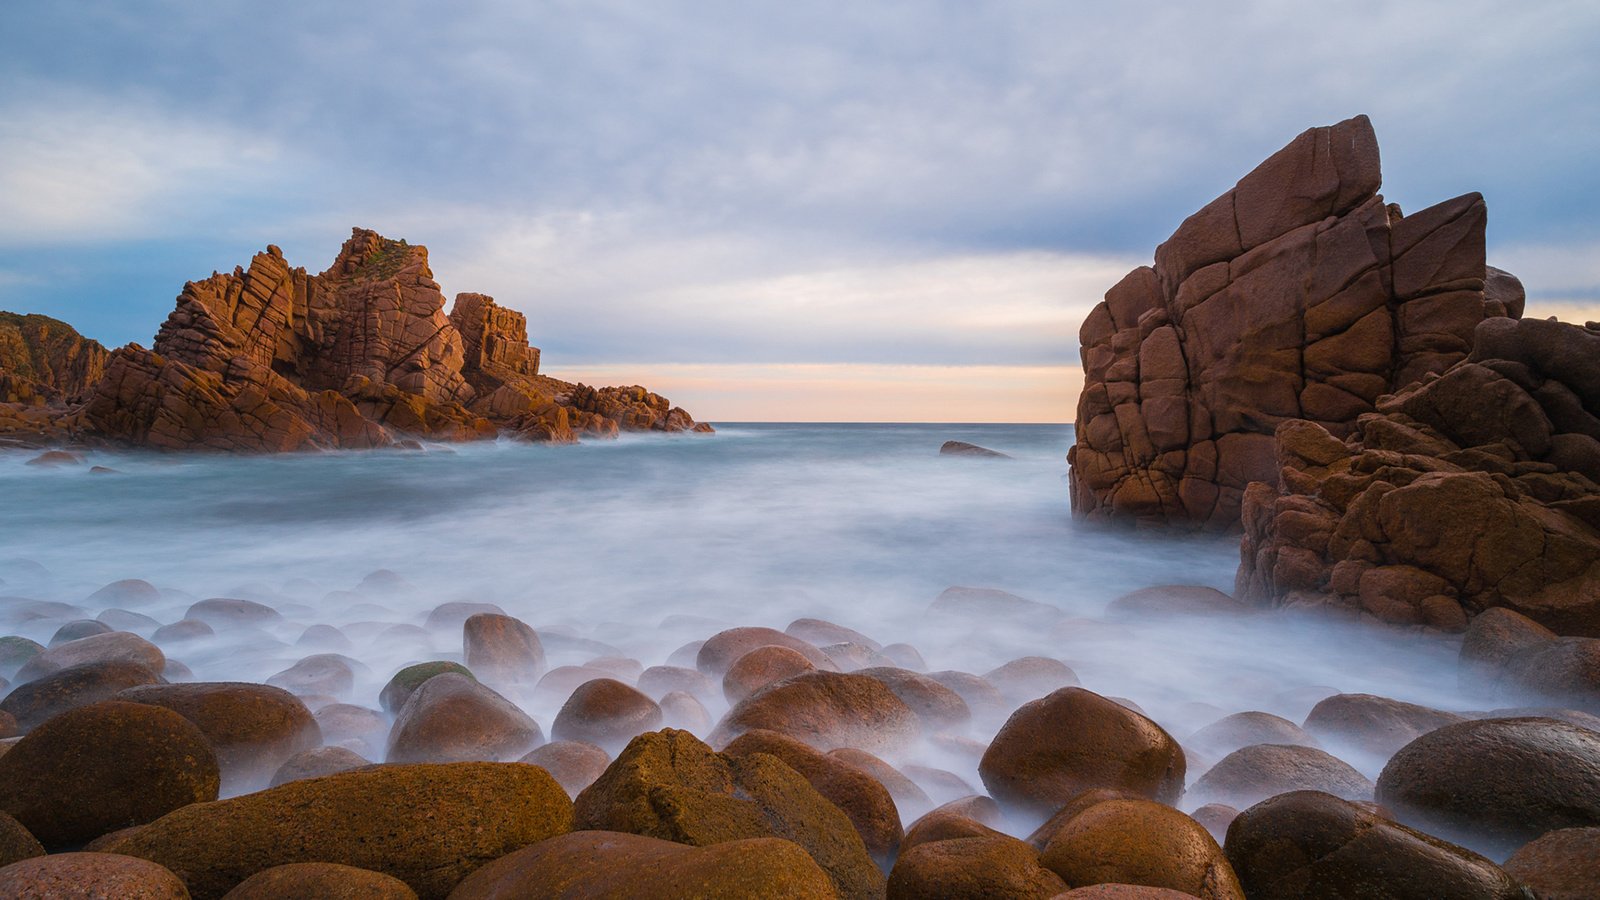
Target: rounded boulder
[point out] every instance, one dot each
(1144, 843)
(452, 718)
(605, 712)
(254, 728)
(320, 881)
(90, 876)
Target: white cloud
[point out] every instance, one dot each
(79, 168)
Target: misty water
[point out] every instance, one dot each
(638, 546)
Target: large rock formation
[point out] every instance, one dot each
(1298, 294)
(44, 360)
(1473, 489)
(271, 358)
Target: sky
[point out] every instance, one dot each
(835, 211)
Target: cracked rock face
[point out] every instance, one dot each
(1298, 294)
(1474, 489)
(271, 358)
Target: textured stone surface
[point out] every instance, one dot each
(1476, 489)
(1141, 842)
(271, 358)
(313, 881)
(982, 867)
(1298, 294)
(91, 876)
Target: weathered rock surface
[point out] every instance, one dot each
(826, 710)
(605, 712)
(317, 762)
(1141, 842)
(270, 358)
(16, 842)
(1298, 294)
(103, 767)
(254, 728)
(1495, 784)
(428, 825)
(1309, 844)
(90, 875)
(51, 695)
(1476, 489)
(315, 881)
(1252, 774)
(669, 785)
(981, 867)
(452, 718)
(1561, 865)
(573, 764)
(609, 865)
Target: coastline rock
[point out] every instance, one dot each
(1298, 294)
(761, 667)
(46, 361)
(451, 718)
(1476, 489)
(44, 698)
(315, 881)
(986, 867)
(428, 825)
(90, 875)
(16, 842)
(827, 710)
(720, 651)
(573, 764)
(1143, 843)
(605, 712)
(1252, 774)
(1495, 784)
(1374, 725)
(1244, 729)
(315, 763)
(406, 681)
(502, 649)
(608, 865)
(1309, 844)
(102, 767)
(669, 785)
(253, 728)
(1074, 740)
(107, 647)
(962, 448)
(1560, 865)
(934, 704)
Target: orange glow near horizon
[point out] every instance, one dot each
(826, 392)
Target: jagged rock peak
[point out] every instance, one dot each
(1297, 294)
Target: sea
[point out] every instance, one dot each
(641, 545)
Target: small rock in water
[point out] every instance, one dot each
(935, 704)
(1560, 865)
(822, 633)
(761, 667)
(127, 592)
(658, 681)
(452, 718)
(318, 879)
(962, 448)
(605, 712)
(1375, 725)
(1141, 842)
(106, 647)
(408, 679)
(1031, 677)
(724, 648)
(317, 762)
(91, 875)
(574, 764)
(80, 628)
(182, 630)
(501, 649)
(683, 710)
(52, 458)
(1252, 774)
(827, 710)
(994, 865)
(222, 611)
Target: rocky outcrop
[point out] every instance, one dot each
(1474, 489)
(271, 358)
(1298, 294)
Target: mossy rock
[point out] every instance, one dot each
(407, 680)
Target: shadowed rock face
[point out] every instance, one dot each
(271, 358)
(1476, 489)
(1298, 294)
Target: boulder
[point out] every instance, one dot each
(102, 767)
(452, 718)
(962, 448)
(501, 649)
(1495, 784)
(573, 764)
(321, 674)
(317, 762)
(821, 633)
(427, 825)
(669, 785)
(357, 728)
(107, 647)
(80, 628)
(992, 605)
(89, 875)
(15, 651)
(1244, 729)
(1171, 600)
(16, 842)
(404, 682)
(1030, 677)
(1252, 774)
(1310, 844)
(127, 592)
(181, 631)
(453, 616)
(1560, 865)
(1374, 725)
(1296, 295)
(316, 881)
(761, 667)
(1144, 843)
(866, 802)
(990, 867)
(225, 612)
(723, 649)
(606, 712)
(658, 681)
(51, 695)
(127, 620)
(944, 824)
(936, 706)
(910, 799)
(826, 710)
(681, 710)
(607, 865)
(1075, 740)
(253, 728)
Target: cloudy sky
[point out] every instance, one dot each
(829, 210)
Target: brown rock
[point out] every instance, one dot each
(1075, 740)
(16, 842)
(102, 767)
(15, 651)
(681, 710)
(80, 628)
(573, 764)
(252, 728)
(821, 633)
(1122, 892)
(1041, 836)
(182, 630)
(605, 864)
(559, 683)
(936, 705)
(1495, 784)
(358, 728)
(428, 825)
(324, 674)
(606, 712)
(501, 649)
(658, 681)
(43, 360)
(1245, 729)
(866, 802)
(826, 710)
(228, 611)
(1309, 844)
(990, 604)
(404, 682)
(1144, 843)
(1030, 677)
(1215, 818)
(761, 667)
(669, 785)
(317, 762)
(111, 646)
(1375, 725)
(1252, 774)
(969, 868)
(451, 718)
(8, 722)
(1175, 600)
(44, 698)
(983, 699)
(453, 615)
(315, 881)
(945, 825)
(89, 875)
(909, 799)
(1560, 865)
(718, 654)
